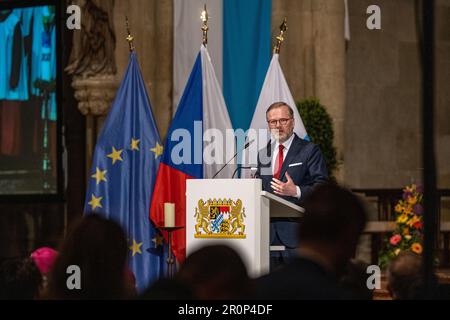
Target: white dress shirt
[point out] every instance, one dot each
(286, 145)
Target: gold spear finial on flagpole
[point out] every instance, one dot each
(129, 38)
(280, 38)
(205, 28)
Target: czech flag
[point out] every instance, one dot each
(199, 142)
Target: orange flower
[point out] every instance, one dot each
(408, 210)
(399, 208)
(405, 231)
(417, 248)
(412, 200)
(413, 220)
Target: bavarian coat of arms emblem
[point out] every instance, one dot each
(220, 219)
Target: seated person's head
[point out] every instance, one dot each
(20, 279)
(216, 272)
(404, 276)
(354, 279)
(333, 221)
(98, 247)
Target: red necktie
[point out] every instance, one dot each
(279, 162)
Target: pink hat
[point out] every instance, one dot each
(44, 258)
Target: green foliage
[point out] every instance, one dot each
(319, 127)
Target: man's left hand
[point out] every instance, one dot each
(288, 188)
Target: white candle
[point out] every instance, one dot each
(169, 214)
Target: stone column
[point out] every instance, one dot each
(297, 55)
(163, 78)
(95, 96)
(329, 67)
(151, 23)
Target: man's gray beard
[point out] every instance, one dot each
(278, 140)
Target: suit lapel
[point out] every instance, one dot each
(293, 151)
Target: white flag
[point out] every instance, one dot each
(275, 89)
(217, 126)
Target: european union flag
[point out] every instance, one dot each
(123, 174)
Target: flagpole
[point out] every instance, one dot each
(129, 38)
(280, 38)
(205, 17)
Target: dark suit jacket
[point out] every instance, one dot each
(301, 279)
(306, 166)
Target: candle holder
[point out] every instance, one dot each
(170, 258)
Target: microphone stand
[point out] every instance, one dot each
(235, 155)
(240, 168)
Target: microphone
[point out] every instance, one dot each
(240, 168)
(235, 155)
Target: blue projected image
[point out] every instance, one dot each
(28, 104)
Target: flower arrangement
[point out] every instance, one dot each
(408, 234)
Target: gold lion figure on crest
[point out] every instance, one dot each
(201, 213)
(237, 215)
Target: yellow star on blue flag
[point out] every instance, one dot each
(99, 175)
(115, 155)
(158, 150)
(135, 144)
(136, 248)
(95, 202)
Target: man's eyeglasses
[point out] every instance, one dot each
(283, 122)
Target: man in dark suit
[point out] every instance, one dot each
(328, 235)
(289, 167)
